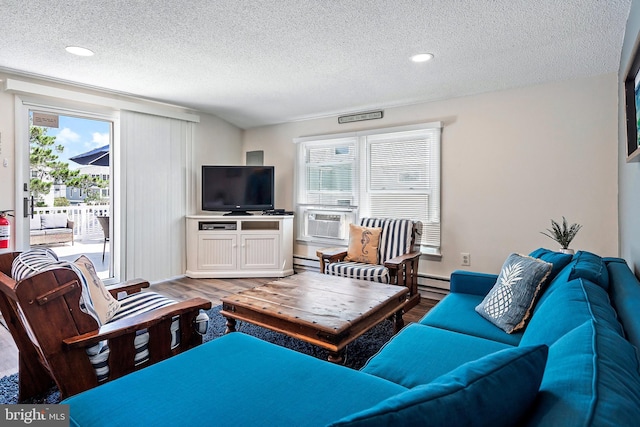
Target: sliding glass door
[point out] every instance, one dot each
(66, 185)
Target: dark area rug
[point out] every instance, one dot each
(356, 355)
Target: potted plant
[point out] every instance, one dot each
(563, 234)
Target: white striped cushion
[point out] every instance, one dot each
(395, 239)
(358, 270)
(141, 302)
(33, 261)
(99, 358)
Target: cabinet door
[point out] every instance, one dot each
(260, 251)
(217, 251)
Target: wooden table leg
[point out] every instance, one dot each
(231, 325)
(398, 321)
(337, 358)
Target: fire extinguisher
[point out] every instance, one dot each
(5, 229)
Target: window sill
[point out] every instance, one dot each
(431, 252)
(322, 242)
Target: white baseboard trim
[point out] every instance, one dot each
(182, 276)
(306, 263)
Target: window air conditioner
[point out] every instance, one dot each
(327, 225)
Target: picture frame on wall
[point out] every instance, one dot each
(632, 107)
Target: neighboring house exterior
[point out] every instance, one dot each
(76, 195)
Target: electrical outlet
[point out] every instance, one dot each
(465, 259)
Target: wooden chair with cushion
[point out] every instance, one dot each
(394, 260)
(62, 340)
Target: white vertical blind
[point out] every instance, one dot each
(153, 156)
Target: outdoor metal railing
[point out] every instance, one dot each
(85, 221)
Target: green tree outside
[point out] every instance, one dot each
(47, 170)
(42, 158)
(61, 201)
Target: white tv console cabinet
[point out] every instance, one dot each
(239, 246)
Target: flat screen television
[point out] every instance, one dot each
(237, 189)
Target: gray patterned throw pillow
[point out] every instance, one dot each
(509, 304)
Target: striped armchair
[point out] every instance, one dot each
(52, 317)
(397, 254)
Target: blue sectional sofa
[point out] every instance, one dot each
(574, 364)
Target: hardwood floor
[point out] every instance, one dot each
(181, 289)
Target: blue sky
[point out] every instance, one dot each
(79, 136)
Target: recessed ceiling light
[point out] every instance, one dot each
(422, 57)
(80, 51)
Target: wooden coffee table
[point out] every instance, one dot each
(327, 311)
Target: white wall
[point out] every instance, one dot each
(511, 161)
(629, 175)
(216, 142)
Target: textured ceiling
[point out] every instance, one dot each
(263, 62)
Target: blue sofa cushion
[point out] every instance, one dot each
(510, 303)
(472, 282)
(557, 259)
(583, 265)
(233, 380)
(591, 379)
(625, 298)
(492, 391)
(592, 267)
(584, 301)
(426, 353)
(456, 312)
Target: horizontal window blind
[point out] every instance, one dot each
(329, 173)
(404, 179)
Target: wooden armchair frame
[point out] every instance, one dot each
(403, 269)
(51, 332)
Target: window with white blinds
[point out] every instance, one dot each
(385, 173)
(403, 179)
(329, 169)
